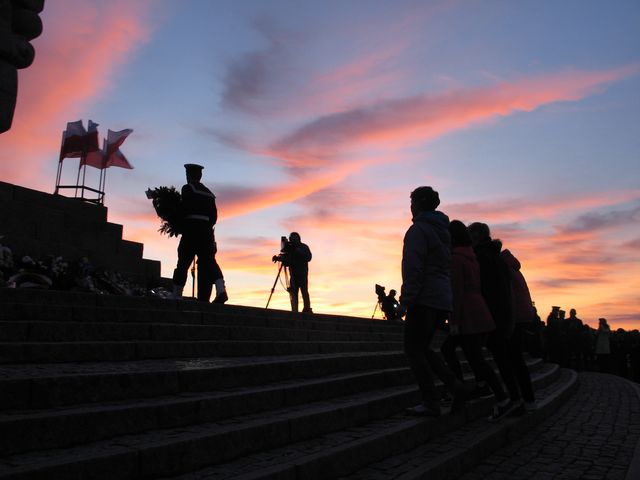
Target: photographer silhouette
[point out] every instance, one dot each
(296, 256)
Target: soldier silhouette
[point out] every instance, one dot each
(200, 216)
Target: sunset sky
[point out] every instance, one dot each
(322, 116)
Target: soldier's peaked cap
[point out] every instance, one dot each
(193, 167)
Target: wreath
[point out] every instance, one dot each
(168, 205)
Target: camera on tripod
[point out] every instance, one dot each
(285, 248)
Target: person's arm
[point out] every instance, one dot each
(414, 253)
(457, 288)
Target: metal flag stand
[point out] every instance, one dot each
(82, 187)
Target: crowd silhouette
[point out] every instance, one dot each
(451, 271)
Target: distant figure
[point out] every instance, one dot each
(389, 306)
(470, 321)
(426, 298)
(552, 336)
(200, 215)
(573, 332)
(496, 290)
(603, 345)
(297, 256)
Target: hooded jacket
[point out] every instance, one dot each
(426, 262)
(470, 311)
(521, 303)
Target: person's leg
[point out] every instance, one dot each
(204, 251)
(418, 332)
(448, 350)
(186, 254)
(304, 290)
(497, 344)
(472, 348)
(523, 377)
(293, 293)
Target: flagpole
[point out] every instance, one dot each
(59, 174)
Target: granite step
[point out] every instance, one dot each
(450, 455)
(65, 426)
(77, 423)
(39, 386)
(179, 450)
(110, 351)
(344, 452)
(91, 331)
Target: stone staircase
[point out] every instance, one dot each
(35, 223)
(107, 387)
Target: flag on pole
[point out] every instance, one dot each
(73, 140)
(96, 158)
(114, 157)
(92, 137)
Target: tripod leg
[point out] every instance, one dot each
(374, 311)
(274, 286)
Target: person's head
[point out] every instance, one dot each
(392, 293)
(460, 236)
(561, 313)
(602, 321)
(572, 313)
(424, 199)
(479, 232)
(194, 172)
(294, 237)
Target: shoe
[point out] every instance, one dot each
(221, 297)
(502, 409)
(307, 310)
(518, 411)
(461, 393)
(423, 410)
(483, 391)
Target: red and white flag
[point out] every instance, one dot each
(96, 158)
(114, 157)
(73, 140)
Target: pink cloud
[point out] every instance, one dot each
(397, 122)
(83, 45)
(517, 209)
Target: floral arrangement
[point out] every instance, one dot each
(168, 206)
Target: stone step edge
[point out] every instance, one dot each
(73, 331)
(65, 352)
(476, 446)
(118, 315)
(121, 302)
(147, 449)
(349, 457)
(49, 387)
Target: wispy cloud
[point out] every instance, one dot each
(604, 220)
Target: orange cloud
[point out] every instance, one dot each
(83, 45)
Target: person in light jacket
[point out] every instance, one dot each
(426, 298)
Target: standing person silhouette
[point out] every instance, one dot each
(297, 257)
(496, 289)
(200, 215)
(426, 297)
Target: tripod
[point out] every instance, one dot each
(286, 277)
(193, 279)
